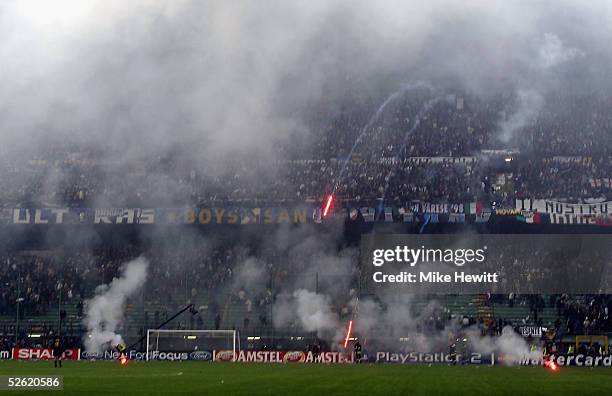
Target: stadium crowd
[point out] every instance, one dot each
(421, 145)
(564, 152)
(229, 286)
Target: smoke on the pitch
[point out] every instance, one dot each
(511, 347)
(105, 311)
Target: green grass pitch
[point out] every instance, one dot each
(204, 378)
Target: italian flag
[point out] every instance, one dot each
(536, 218)
(472, 208)
(530, 218)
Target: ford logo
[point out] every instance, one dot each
(200, 355)
(91, 355)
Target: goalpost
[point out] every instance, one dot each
(190, 341)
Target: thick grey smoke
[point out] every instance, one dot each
(554, 53)
(308, 311)
(105, 311)
(395, 316)
(201, 79)
(529, 105)
(249, 274)
(318, 281)
(401, 320)
(510, 345)
(537, 83)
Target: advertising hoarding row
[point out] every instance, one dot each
(280, 357)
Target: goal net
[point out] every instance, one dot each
(190, 344)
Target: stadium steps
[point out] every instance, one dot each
(461, 305)
(549, 316)
(517, 313)
(513, 314)
(236, 313)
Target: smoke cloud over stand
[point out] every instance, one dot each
(206, 79)
(106, 309)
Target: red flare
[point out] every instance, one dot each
(330, 199)
(552, 366)
(348, 333)
(123, 360)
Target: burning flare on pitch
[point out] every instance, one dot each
(551, 365)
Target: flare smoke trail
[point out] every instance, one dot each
(417, 122)
(105, 310)
(393, 97)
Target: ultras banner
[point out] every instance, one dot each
(414, 212)
(556, 212)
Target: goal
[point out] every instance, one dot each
(190, 344)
